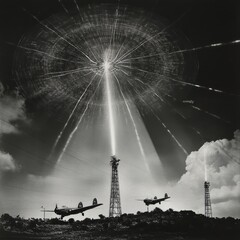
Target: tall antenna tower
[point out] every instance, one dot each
(208, 207)
(115, 204)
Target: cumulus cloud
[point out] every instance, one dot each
(219, 163)
(12, 109)
(7, 163)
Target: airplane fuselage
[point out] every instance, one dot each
(63, 212)
(154, 201)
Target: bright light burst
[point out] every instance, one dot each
(65, 52)
(64, 59)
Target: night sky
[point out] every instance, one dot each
(30, 125)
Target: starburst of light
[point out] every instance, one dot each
(64, 59)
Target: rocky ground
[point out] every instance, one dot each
(168, 225)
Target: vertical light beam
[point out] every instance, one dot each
(205, 164)
(106, 67)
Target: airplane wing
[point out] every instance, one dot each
(83, 209)
(162, 199)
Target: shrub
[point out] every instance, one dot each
(101, 216)
(71, 220)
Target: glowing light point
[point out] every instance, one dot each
(106, 66)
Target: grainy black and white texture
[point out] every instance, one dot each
(160, 76)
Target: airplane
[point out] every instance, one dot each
(149, 201)
(65, 211)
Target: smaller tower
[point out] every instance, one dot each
(208, 207)
(115, 204)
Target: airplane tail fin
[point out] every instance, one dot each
(80, 205)
(166, 195)
(94, 201)
(56, 207)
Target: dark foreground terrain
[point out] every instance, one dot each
(168, 225)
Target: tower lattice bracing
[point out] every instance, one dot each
(208, 207)
(115, 203)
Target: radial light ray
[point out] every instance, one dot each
(171, 106)
(41, 52)
(65, 9)
(198, 109)
(134, 125)
(76, 127)
(61, 37)
(210, 114)
(67, 71)
(212, 45)
(167, 78)
(71, 114)
(64, 74)
(148, 39)
(165, 126)
(167, 129)
(174, 138)
(209, 46)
